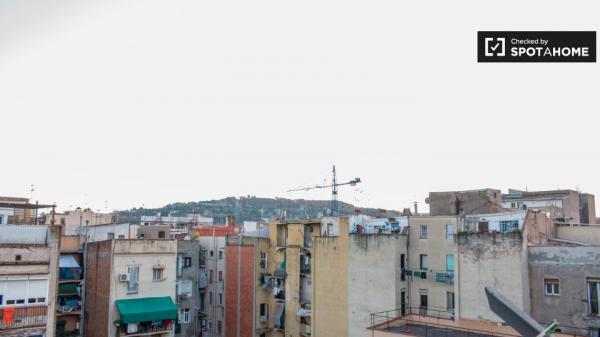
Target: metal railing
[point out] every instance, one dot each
(23, 317)
(382, 317)
(386, 320)
(574, 331)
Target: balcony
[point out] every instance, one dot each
(445, 277)
(145, 329)
(23, 317)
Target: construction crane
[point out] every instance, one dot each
(334, 190)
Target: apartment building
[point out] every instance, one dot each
(247, 306)
(177, 224)
(74, 221)
(307, 278)
(29, 260)
(188, 278)
(70, 287)
(14, 210)
(212, 296)
(431, 263)
(130, 288)
(566, 206)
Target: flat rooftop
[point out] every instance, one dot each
(429, 330)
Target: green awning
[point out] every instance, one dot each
(66, 289)
(146, 309)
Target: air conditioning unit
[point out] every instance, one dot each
(124, 277)
(263, 319)
(132, 328)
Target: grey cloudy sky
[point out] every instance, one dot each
(150, 102)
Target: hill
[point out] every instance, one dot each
(251, 208)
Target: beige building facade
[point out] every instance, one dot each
(124, 274)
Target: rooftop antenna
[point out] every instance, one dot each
(334, 189)
(32, 188)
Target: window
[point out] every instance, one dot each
(264, 313)
(423, 232)
(449, 262)
(263, 260)
(187, 262)
(450, 300)
(134, 278)
(210, 276)
(509, 226)
(220, 276)
(593, 295)
(110, 235)
(423, 301)
(210, 298)
(201, 301)
(423, 262)
(220, 254)
(482, 226)
(20, 292)
(184, 316)
(219, 327)
(212, 253)
(402, 262)
(161, 235)
(449, 232)
(121, 236)
(220, 298)
(551, 287)
(157, 274)
(209, 324)
(184, 287)
(330, 229)
(18, 257)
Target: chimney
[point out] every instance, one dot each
(230, 220)
(416, 208)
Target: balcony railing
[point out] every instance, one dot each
(23, 317)
(445, 277)
(146, 328)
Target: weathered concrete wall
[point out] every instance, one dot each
(373, 278)
(585, 234)
(465, 202)
(330, 283)
(498, 260)
(571, 266)
(538, 228)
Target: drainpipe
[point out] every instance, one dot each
(83, 284)
(408, 278)
(239, 268)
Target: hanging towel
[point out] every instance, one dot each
(417, 274)
(9, 316)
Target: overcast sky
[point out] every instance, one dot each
(150, 102)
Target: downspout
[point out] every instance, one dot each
(409, 277)
(84, 282)
(239, 268)
(457, 296)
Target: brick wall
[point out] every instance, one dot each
(239, 275)
(97, 300)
